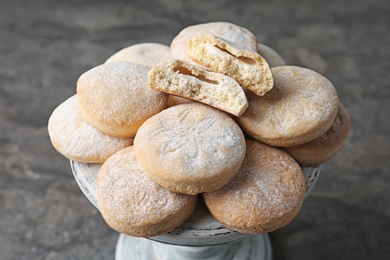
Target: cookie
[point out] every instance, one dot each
(143, 53)
(176, 100)
(247, 67)
(116, 98)
(228, 31)
(266, 194)
(183, 79)
(299, 108)
(133, 204)
(190, 148)
(327, 145)
(74, 138)
(271, 56)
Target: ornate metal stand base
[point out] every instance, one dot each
(253, 248)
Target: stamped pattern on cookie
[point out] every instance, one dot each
(190, 148)
(301, 107)
(199, 137)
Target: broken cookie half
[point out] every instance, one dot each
(248, 68)
(183, 79)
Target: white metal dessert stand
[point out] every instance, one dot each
(200, 237)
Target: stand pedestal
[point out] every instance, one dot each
(200, 237)
(253, 248)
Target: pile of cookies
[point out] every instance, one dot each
(215, 114)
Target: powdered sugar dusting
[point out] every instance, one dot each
(269, 185)
(72, 136)
(183, 79)
(127, 195)
(240, 36)
(301, 101)
(119, 92)
(143, 53)
(192, 139)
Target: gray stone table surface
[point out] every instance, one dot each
(46, 45)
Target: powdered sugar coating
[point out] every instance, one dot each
(116, 97)
(238, 35)
(299, 108)
(270, 55)
(73, 137)
(248, 68)
(327, 145)
(181, 78)
(132, 203)
(143, 53)
(266, 194)
(190, 145)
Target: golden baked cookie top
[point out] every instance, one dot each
(116, 98)
(326, 146)
(299, 108)
(240, 36)
(74, 138)
(133, 204)
(148, 53)
(190, 148)
(266, 194)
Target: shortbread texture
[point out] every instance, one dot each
(300, 107)
(177, 100)
(266, 194)
(326, 146)
(186, 80)
(247, 67)
(271, 56)
(74, 138)
(148, 53)
(133, 204)
(240, 36)
(190, 148)
(116, 98)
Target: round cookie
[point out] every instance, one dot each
(133, 204)
(327, 145)
(143, 53)
(266, 194)
(176, 100)
(116, 98)
(247, 67)
(190, 148)
(271, 56)
(238, 35)
(74, 138)
(300, 107)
